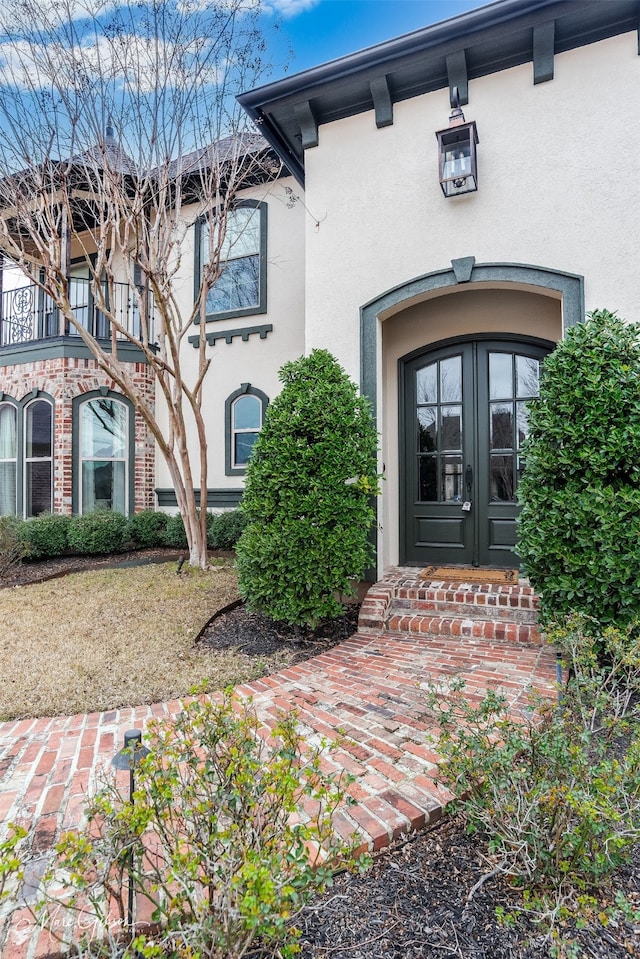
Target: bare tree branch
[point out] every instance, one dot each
(122, 128)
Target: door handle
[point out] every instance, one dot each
(468, 478)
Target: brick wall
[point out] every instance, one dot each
(63, 379)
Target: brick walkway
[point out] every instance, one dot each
(369, 687)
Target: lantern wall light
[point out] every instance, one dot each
(457, 156)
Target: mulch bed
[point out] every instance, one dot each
(256, 635)
(415, 902)
(37, 571)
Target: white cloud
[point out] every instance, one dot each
(242, 6)
(289, 8)
(127, 61)
(45, 15)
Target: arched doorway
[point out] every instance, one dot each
(467, 303)
(464, 420)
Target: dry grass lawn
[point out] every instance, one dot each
(113, 637)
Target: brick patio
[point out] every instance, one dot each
(369, 687)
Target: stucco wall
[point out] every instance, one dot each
(257, 360)
(558, 188)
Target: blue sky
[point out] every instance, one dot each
(321, 30)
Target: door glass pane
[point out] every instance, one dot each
(500, 376)
(451, 428)
(427, 384)
(427, 479)
(439, 430)
(522, 413)
(501, 426)
(451, 479)
(451, 380)
(527, 376)
(426, 430)
(501, 479)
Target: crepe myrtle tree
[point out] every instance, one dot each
(120, 128)
(308, 496)
(579, 529)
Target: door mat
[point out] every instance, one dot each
(469, 574)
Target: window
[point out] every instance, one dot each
(104, 444)
(240, 290)
(38, 458)
(245, 411)
(8, 459)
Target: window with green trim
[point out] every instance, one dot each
(241, 288)
(8, 459)
(38, 458)
(244, 415)
(104, 455)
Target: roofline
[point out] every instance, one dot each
(288, 112)
(387, 51)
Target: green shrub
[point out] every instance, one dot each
(45, 535)
(148, 528)
(214, 841)
(224, 529)
(308, 492)
(556, 790)
(175, 533)
(579, 530)
(12, 549)
(101, 531)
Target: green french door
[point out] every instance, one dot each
(465, 420)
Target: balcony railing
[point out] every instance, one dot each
(28, 314)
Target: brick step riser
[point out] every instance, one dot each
(511, 614)
(517, 598)
(465, 628)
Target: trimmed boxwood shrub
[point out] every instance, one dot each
(308, 495)
(175, 533)
(224, 529)
(45, 535)
(579, 530)
(101, 531)
(148, 528)
(12, 549)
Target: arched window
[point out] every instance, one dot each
(245, 411)
(38, 458)
(8, 459)
(104, 454)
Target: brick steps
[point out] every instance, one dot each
(496, 612)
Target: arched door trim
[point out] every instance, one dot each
(463, 271)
